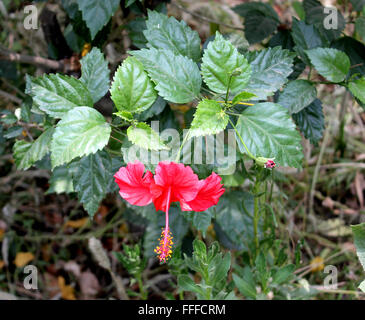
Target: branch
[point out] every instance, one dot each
(38, 61)
(10, 97)
(356, 65)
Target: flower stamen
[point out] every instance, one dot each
(164, 250)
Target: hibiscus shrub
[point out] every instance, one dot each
(261, 97)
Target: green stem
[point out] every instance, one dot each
(256, 217)
(309, 73)
(116, 139)
(228, 87)
(112, 151)
(243, 143)
(233, 114)
(141, 287)
(186, 138)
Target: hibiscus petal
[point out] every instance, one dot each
(134, 186)
(210, 191)
(184, 184)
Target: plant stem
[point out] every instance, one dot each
(243, 143)
(228, 87)
(141, 287)
(116, 139)
(242, 103)
(186, 138)
(256, 217)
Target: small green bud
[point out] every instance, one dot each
(267, 163)
(236, 72)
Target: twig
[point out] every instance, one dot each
(10, 97)
(30, 125)
(321, 197)
(356, 65)
(317, 168)
(35, 295)
(339, 291)
(354, 165)
(12, 87)
(198, 16)
(38, 61)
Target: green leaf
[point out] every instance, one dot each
(200, 249)
(177, 77)
(95, 74)
(297, 95)
(362, 286)
(243, 96)
(56, 94)
(92, 178)
(73, 40)
(125, 115)
(283, 274)
(222, 269)
(156, 109)
(82, 131)
(97, 13)
(261, 20)
(61, 180)
(330, 63)
(233, 220)
(185, 283)
(270, 69)
(142, 135)
(260, 263)
(233, 180)
(25, 113)
(357, 88)
(8, 70)
(135, 32)
(27, 153)
(305, 37)
(355, 51)
(268, 131)
(71, 8)
(209, 119)
(132, 90)
(117, 162)
(359, 237)
(8, 117)
(314, 14)
(220, 60)
(310, 121)
(200, 220)
(129, 3)
(360, 27)
(168, 33)
(246, 285)
(358, 5)
(299, 10)
(13, 132)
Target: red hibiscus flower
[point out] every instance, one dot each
(172, 182)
